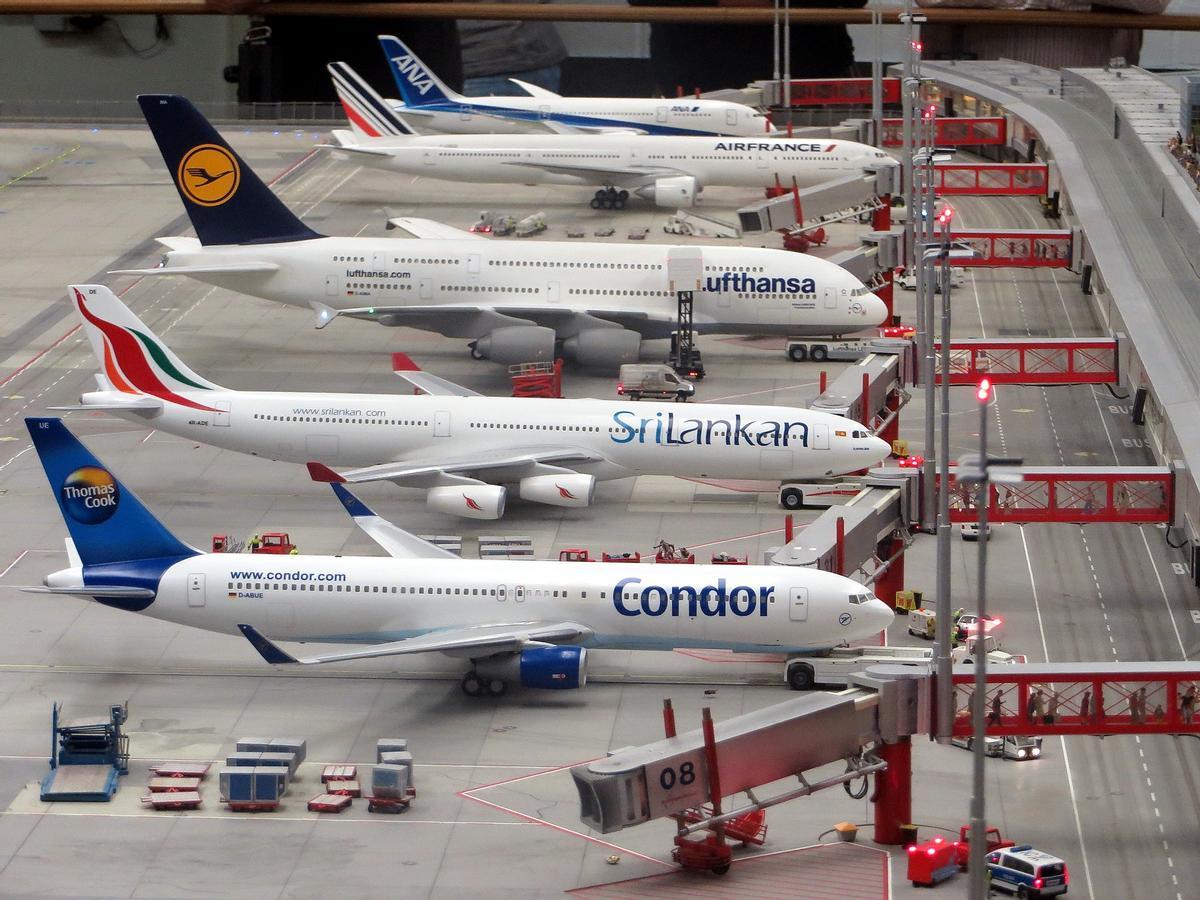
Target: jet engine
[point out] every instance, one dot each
(516, 344)
(472, 501)
(548, 668)
(604, 348)
(559, 490)
(674, 192)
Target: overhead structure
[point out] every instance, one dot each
(1032, 248)
(954, 132)
(991, 179)
(827, 92)
(1038, 361)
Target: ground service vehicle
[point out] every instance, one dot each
(1016, 747)
(656, 380)
(821, 495)
(835, 666)
(992, 840)
(1026, 872)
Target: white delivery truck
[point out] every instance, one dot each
(833, 668)
(637, 380)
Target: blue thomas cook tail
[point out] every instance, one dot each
(120, 543)
(226, 201)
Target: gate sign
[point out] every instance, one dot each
(677, 783)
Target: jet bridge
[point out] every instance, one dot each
(822, 204)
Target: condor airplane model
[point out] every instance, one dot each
(518, 302)
(431, 103)
(460, 446)
(528, 622)
(670, 170)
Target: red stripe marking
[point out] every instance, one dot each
(353, 116)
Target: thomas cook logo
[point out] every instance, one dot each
(208, 175)
(90, 495)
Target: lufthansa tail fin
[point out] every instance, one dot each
(369, 114)
(417, 84)
(132, 358)
(226, 201)
(106, 520)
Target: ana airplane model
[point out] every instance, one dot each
(670, 170)
(519, 302)
(530, 622)
(460, 446)
(432, 104)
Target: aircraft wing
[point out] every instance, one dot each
(430, 229)
(433, 385)
(249, 267)
(564, 128)
(474, 641)
(460, 470)
(395, 540)
(623, 174)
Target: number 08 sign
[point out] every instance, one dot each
(677, 783)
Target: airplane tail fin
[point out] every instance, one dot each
(226, 201)
(417, 84)
(369, 114)
(106, 521)
(132, 358)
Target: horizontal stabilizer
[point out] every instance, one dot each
(350, 148)
(83, 590)
(433, 385)
(133, 404)
(430, 229)
(321, 472)
(534, 91)
(246, 268)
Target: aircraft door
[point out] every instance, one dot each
(195, 590)
(426, 288)
(731, 116)
(221, 416)
(831, 298)
(501, 593)
(660, 114)
(464, 112)
(798, 607)
(333, 286)
(544, 112)
(441, 423)
(472, 263)
(378, 261)
(762, 159)
(820, 437)
(519, 593)
(429, 156)
(553, 291)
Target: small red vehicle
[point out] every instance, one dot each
(574, 554)
(992, 839)
(274, 542)
(679, 558)
(932, 862)
(702, 850)
(633, 557)
(726, 559)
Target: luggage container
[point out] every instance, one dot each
(390, 745)
(252, 745)
(249, 790)
(399, 758)
(388, 780)
(287, 760)
(244, 758)
(298, 746)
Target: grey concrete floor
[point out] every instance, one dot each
(1121, 811)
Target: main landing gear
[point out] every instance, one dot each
(610, 198)
(475, 686)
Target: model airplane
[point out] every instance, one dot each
(529, 622)
(461, 446)
(517, 302)
(432, 104)
(671, 170)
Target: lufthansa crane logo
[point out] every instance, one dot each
(208, 175)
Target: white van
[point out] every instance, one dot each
(659, 381)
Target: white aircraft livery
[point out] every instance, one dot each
(525, 622)
(463, 448)
(429, 102)
(669, 170)
(516, 302)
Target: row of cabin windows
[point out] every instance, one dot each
(553, 264)
(530, 592)
(341, 419)
(511, 425)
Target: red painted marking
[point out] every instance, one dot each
(321, 472)
(402, 362)
(353, 116)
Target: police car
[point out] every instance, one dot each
(1026, 872)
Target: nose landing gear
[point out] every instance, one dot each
(610, 198)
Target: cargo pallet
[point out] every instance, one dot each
(173, 785)
(181, 770)
(173, 800)
(390, 804)
(253, 806)
(329, 803)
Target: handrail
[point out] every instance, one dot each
(731, 12)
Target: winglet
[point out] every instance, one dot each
(321, 472)
(269, 651)
(402, 362)
(353, 505)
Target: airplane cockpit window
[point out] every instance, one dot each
(860, 598)
(859, 434)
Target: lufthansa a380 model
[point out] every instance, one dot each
(430, 103)
(517, 302)
(461, 446)
(528, 622)
(670, 170)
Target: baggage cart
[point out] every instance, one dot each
(181, 769)
(173, 785)
(329, 803)
(173, 800)
(390, 805)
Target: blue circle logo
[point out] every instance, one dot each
(90, 495)
(844, 619)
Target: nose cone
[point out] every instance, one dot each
(880, 449)
(877, 614)
(874, 311)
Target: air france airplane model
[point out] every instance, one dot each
(516, 302)
(669, 170)
(529, 622)
(462, 447)
(431, 103)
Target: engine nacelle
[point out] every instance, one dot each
(674, 192)
(472, 501)
(559, 490)
(547, 668)
(605, 348)
(516, 344)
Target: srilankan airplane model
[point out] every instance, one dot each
(670, 170)
(430, 103)
(463, 448)
(516, 303)
(515, 621)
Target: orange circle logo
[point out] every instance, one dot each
(208, 175)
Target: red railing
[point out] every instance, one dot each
(1031, 361)
(841, 91)
(954, 132)
(1019, 249)
(991, 179)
